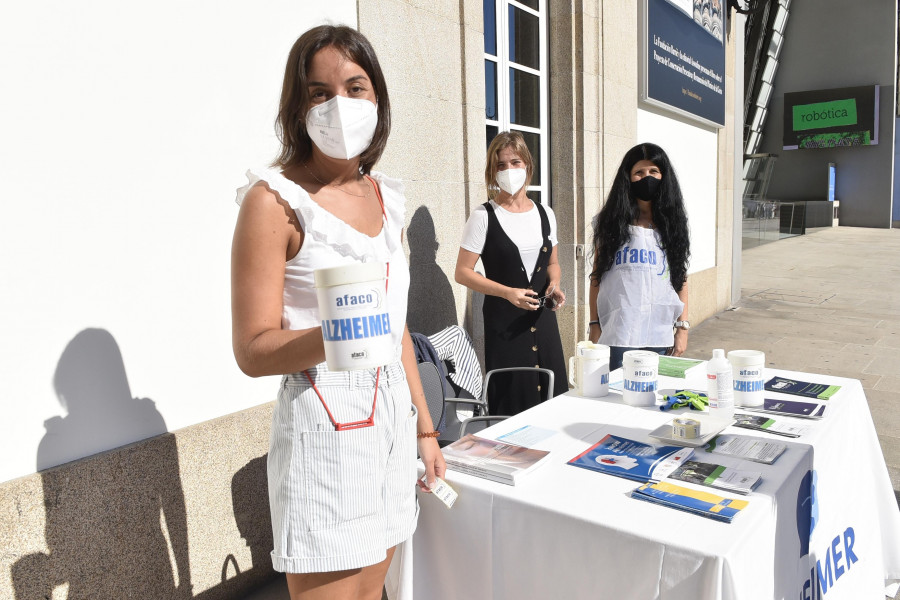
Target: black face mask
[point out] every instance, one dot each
(646, 188)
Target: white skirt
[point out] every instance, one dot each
(340, 499)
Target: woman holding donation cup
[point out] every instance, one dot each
(639, 291)
(342, 457)
(515, 238)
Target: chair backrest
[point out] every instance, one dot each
(434, 392)
(476, 424)
(548, 391)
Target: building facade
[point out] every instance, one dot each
(134, 449)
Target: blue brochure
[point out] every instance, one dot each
(630, 459)
(819, 391)
(690, 500)
(792, 408)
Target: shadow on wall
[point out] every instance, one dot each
(92, 387)
(432, 306)
(250, 498)
(115, 524)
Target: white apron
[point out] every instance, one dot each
(637, 305)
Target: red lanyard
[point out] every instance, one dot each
(355, 424)
(370, 422)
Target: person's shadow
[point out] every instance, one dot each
(250, 499)
(431, 305)
(117, 521)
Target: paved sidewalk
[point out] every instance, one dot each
(826, 302)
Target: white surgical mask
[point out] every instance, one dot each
(342, 127)
(511, 180)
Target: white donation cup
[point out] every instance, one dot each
(640, 374)
(356, 323)
(747, 377)
(589, 370)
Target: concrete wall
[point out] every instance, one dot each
(178, 516)
(432, 54)
(832, 44)
(126, 132)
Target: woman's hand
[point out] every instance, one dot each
(681, 339)
(559, 298)
(433, 459)
(525, 299)
(594, 332)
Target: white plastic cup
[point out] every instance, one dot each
(640, 374)
(748, 378)
(589, 370)
(356, 323)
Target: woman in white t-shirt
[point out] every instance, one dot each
(639, 291)
(515, 239)
(342, 450)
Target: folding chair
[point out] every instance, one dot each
(476, 424)
(548, 390)
(453, 427)
(434, 392)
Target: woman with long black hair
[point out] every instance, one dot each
(639, 290)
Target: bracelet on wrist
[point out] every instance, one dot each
(428, 434)
(593, 323)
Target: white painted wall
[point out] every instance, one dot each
(124, 131)
(693, 151)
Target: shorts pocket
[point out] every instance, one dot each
(340, 475)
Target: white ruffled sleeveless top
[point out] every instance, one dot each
(330, 242)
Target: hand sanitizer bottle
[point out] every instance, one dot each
(719, 386)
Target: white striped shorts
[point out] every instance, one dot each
(341, 499)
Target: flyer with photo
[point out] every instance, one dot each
(494, 460)
(631, 459)
(745, 446)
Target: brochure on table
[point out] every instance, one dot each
(744, 446)
(690, 500)
(631, 459)
(769, 425)
(717, 476)
(681, 368)
(490, 459)
(789, 408)
(785, 385)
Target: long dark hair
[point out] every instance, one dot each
(620, 211)
(296, 146)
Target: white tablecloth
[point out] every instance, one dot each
(566, 532)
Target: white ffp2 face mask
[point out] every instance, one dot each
(511, 180)
(342, 127)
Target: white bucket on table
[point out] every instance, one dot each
(356, 324)
(747, 377)
(640, 374)
(589, 370)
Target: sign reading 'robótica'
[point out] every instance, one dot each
(825, 114)
(835, 118)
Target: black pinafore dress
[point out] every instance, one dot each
(515, 337)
